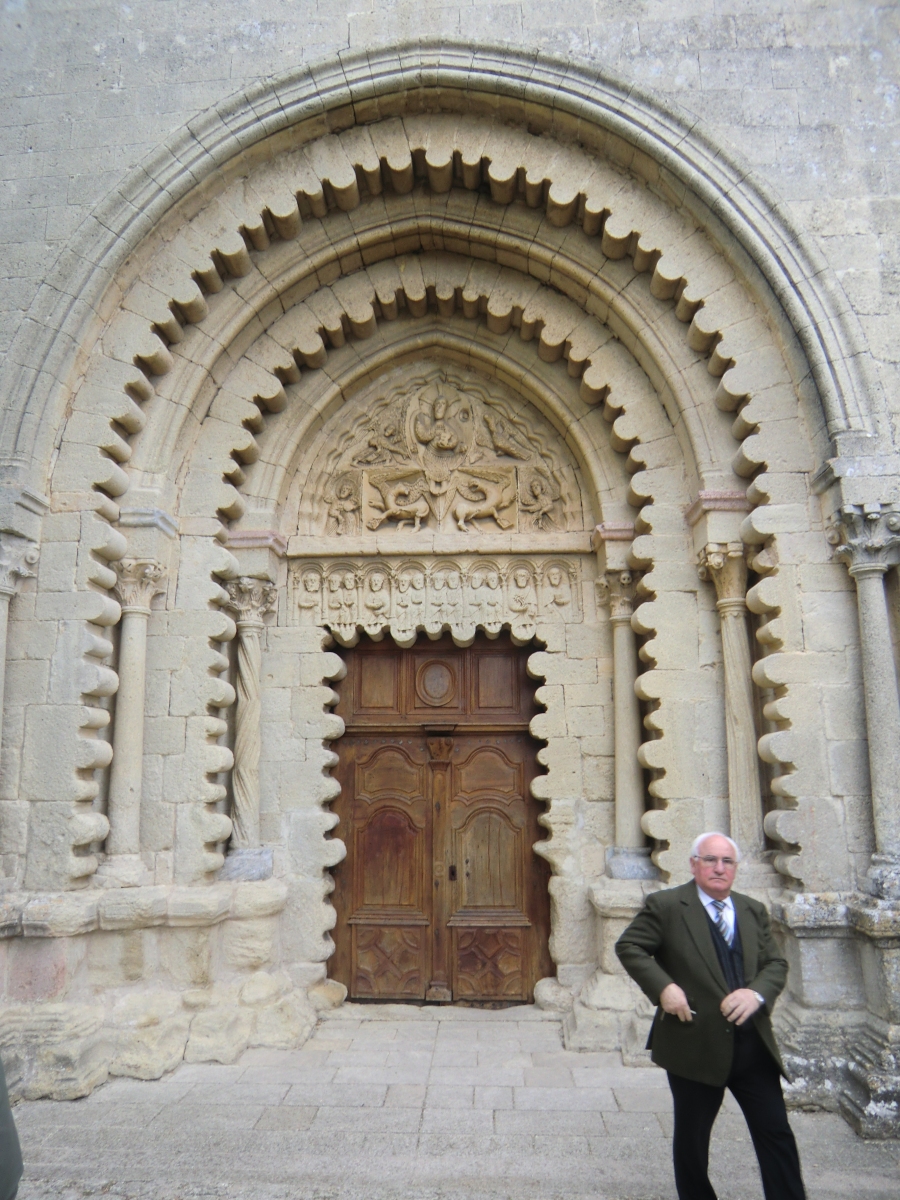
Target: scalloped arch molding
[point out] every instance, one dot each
(544, 93)
(617, 280)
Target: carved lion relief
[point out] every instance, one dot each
(459, 594)
(446, 451)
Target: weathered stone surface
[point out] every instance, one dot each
(444, 338)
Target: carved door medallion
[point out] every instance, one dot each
(441, 896)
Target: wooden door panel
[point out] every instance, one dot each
(389, 857)
(389, 962)
(490, 965)
(495, 681)
(490, 854)
(441, 895)
(378, 684)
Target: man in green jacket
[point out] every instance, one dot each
(707, 958)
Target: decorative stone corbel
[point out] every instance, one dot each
(139, 580)
(725, 564)
(629, 858)
(18, 556)
(249, 600)
(867, 539)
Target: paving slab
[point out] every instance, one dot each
(404, 1103)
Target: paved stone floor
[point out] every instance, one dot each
(398, 1103)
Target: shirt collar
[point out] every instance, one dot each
(706, 899)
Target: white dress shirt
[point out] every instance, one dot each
(727, 911)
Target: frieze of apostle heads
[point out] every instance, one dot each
(442, 451)
(464, 595)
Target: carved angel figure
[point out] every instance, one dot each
(538, 498)
(483, 495)
(504, 438)
(384, 440)
(343, 506)
(403, 499)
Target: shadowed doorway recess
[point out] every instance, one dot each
(441, 896)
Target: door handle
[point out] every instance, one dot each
(452, 874)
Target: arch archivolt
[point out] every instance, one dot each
(271, 298)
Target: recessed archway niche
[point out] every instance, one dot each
(442, 360)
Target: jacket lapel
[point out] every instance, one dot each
(698, 928)
(749, 940)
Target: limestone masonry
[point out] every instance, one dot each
(577, 330)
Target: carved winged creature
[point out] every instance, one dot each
(484, 495)
(504, 438)
(403, 499)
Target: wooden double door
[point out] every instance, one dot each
(441, 896)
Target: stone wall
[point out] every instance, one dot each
(533, 350)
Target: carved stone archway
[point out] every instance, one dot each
(269, 398)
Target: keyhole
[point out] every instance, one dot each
(452, 873)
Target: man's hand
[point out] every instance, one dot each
(673, 1000)
(739, 1006)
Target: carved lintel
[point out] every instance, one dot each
(725, 564)
(462, 594)
(139, 580)
(17, 556)
(250, 599)
(616, 592)
(866, 538)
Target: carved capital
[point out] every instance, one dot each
(250, 599)
(866, 538)
(725, 564)
(615, 591)
(139, 580)
(17, 557)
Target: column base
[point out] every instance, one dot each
(883, 877)
(870, 1094)
(253, 863)
(630, 862)
(123, 870)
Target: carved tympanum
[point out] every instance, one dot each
(444, 452)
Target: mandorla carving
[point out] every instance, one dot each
(17, 557)
(250, 598)
(138, 581)
(444, 453)
(405, 597)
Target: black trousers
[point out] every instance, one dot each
(756, 1085)
(10, 1154)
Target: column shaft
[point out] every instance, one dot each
(882, 705)
(628, 774)
(5, 598)
(126, 773)
(247, 738)
(744, 789)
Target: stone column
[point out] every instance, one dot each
(139, 580)
(250, 600)
(629, 858)
(724, 563)
(17, 556)
(868, 541)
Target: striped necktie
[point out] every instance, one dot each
(721, 924)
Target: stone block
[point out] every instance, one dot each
(249, 944)
(219, 1034)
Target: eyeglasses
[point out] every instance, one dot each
(710, 860)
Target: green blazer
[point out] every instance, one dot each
(670, 941)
